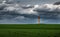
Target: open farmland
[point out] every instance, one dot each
(29, 30)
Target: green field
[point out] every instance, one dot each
(29, 30)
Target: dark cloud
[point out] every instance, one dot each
(21, 13)
(10, 11)
(27, 7)
(2, 6)
(48, 11)
(57, 3)
(48, 14)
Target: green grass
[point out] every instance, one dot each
(29, 30)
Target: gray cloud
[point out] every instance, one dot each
(27, 6)
(49, 11)
(57, 3)
(17, 12)
(12, 11)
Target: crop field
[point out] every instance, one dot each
(29, 30)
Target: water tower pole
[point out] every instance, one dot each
(38, 19)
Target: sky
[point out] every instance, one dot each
(27, 11)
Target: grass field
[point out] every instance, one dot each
(29, 30)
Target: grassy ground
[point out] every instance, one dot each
(29, 30)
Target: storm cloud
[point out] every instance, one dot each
(20, 13)
(48, 11)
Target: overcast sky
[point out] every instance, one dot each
(37, 1)
(27, 11)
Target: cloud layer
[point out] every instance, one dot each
(20, 12)
(49, 11)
